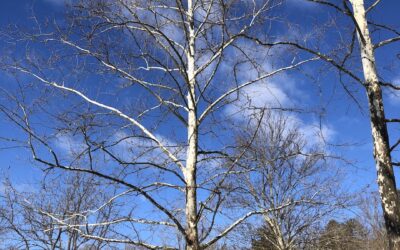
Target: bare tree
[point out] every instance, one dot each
(282, 170)
(350, 234)
(382, 148)
(53, 216)
(135, 91)
(369, 214)
(372, 83)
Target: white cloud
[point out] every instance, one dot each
(56, 2)
(394, 96)
(209, 14)
(266, 95)
(280, 91)
(166, 19)
(303, 4)
(317, 134)
(258, 95)
(69, 144)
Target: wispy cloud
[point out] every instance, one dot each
(281, 91)
(303, 4)
(394, 96)
(57, 2)
(69, 144)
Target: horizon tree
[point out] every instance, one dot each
(26, 213)
(281, 165)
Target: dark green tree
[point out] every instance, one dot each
(347, 235)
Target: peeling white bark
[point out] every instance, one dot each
(280, 242)
(192, 241)
(385, 175)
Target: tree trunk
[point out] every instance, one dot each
(192, 239)
(386, 180)
(280, 241)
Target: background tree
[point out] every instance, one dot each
(55, 216)
(280, 169)
(350, 234)
(370, 215)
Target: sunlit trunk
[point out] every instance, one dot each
(280, 241)
(192, 241)
(386, 179)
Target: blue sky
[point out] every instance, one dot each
(345, 121)
(342, 120)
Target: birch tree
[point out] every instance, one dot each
(382, 148)
(134, 93)
(372, 83)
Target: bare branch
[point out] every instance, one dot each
(112, 109)
(234, 90)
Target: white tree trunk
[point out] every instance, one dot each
(280, 241)
(192, 241)
(386, 179)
